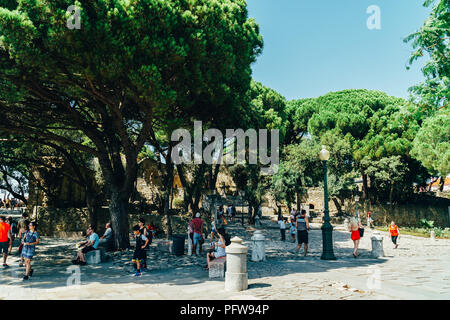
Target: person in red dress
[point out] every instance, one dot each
(353, 227)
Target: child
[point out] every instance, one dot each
(293, 230)
(139, 252)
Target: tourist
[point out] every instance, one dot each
(139, 252)
(221, 212)
(213, 228)
(233, 211)
(90, 244)
(30, 240)
(293, 215)
(229, 213)
(152, 228)
(5, 239)
(369, 220)
(142, 228)
(143, 231)
(197, 226)
(302, 224)
(25, 229)
(353, 227)
(292, 230)
(282, 225)
(13, 227)
(394, 232)
(219, 250)
(107, 239)
(21, 225)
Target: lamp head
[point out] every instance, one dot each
(324, 154)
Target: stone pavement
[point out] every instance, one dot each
(418, 269)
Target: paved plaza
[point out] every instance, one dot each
(418, 269)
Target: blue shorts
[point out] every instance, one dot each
(197, 238)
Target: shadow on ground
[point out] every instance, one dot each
(54, 270)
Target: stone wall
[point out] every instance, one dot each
(313, 198)
(54, 221)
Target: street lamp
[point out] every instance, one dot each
(327, 228)
(357, 200)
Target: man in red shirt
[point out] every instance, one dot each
(197, 226)
(5, 239)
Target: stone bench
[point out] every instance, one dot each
(217, 268)
(96, 256)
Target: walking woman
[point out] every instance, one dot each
(355, 236)
(30, 240)
(393, 230)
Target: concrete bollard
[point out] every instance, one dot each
(190, 244)
(258, 248)
(236, 276)
(377, 245)
(346, 224)
(432, 235)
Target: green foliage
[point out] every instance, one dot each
(431, 145)
(433, 38)
(426, 223)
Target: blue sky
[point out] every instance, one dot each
(312, 47)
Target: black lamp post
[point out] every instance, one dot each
(327, 228)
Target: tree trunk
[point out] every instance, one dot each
(297, 194)
(338, 206)
(118, 209)
(365, 186)
(441, 184)
(92, 208)
(168, 184)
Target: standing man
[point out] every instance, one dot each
(197, 226)
(90, 244)
(302, 231)
(5, 239)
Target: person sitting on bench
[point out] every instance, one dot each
(107, 240)
(219, 248)
(90, 244)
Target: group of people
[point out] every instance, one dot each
(11, 203)
(218, 236)
(357, 231)
(298, 227)
(25, 231)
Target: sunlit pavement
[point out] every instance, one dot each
(418, 269)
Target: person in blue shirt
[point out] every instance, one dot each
(90, 244)
(30, 240)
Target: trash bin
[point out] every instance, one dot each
(178, 244)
